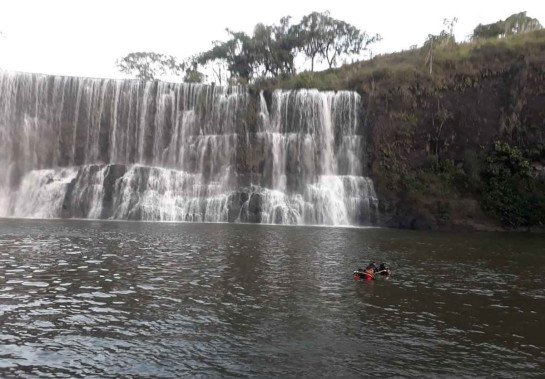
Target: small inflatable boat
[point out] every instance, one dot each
(362, 276)
(371, 271)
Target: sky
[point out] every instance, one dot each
(85, 38)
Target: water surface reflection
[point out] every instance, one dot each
(117, 298)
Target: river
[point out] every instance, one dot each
(110, 299)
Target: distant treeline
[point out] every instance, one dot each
(515, 24)
(271, 50)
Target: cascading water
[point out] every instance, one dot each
(126, 149)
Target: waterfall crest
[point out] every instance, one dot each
(127, 149)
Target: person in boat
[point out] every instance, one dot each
(380, 269)
(374, 266)
(384, 270)
(371, 270)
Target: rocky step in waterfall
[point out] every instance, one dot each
(127, 149)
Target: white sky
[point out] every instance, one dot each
(84, 38)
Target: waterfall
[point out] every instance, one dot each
(128, 149)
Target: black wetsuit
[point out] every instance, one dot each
(384, 270)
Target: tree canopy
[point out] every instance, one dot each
(444, 38)
(270, 51)
(515, 24)
(147, 66)
(324, 37)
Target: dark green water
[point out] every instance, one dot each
(110, 299)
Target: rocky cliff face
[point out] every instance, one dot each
(433, 137)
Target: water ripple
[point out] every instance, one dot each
(169, 300)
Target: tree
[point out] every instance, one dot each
(264, 49)
(341, 39)
(192, 73)
(148, 65)
(488, 31)
(311, 33)
(218, 69)
(269, 51)
(432, 42)
(322, 36)
(520, 23)
(449, 24)
(274, 48)
(237, 52)
(287, 44)
(515, 24)
(444, 38)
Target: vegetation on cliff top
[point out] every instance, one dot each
(515, 24)
(270, 51)
(406, 66)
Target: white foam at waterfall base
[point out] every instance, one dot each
(169, 195)
(332, 200)
(326, 198)
(42, 193)
(88, 191)
(5, 201)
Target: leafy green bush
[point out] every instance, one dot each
(510, 190)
